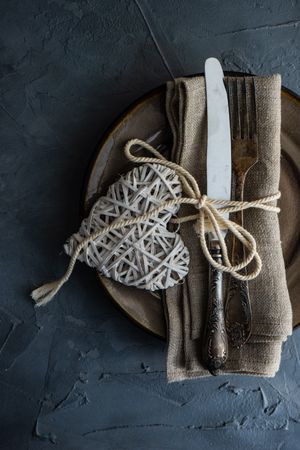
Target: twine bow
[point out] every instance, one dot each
(208, 218)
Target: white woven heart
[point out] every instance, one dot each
(146, 255)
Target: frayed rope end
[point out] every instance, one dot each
(45, 293)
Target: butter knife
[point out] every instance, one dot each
(218, 166)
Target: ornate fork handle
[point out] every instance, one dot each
(215, 337)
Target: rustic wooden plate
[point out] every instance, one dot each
(146, 120)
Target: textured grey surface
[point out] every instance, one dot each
(77, 374)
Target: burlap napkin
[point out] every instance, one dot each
(185, 305)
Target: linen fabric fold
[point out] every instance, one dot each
(185, 305)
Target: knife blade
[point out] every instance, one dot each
(218, 166)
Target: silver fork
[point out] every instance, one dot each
(242, 107)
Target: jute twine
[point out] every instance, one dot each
(208, 217)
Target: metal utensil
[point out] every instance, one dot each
(218, 168)
(242, 109)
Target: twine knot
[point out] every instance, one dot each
(209, 218)
(202, 201)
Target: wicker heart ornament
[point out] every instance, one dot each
(145, 255)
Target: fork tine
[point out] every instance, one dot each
(251, 107)
(254, 119)
(242, 109)
(248, 99)
(228, 85)
(245, 109)
(234, 108)
(237, 109)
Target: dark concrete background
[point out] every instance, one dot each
(77, 375)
